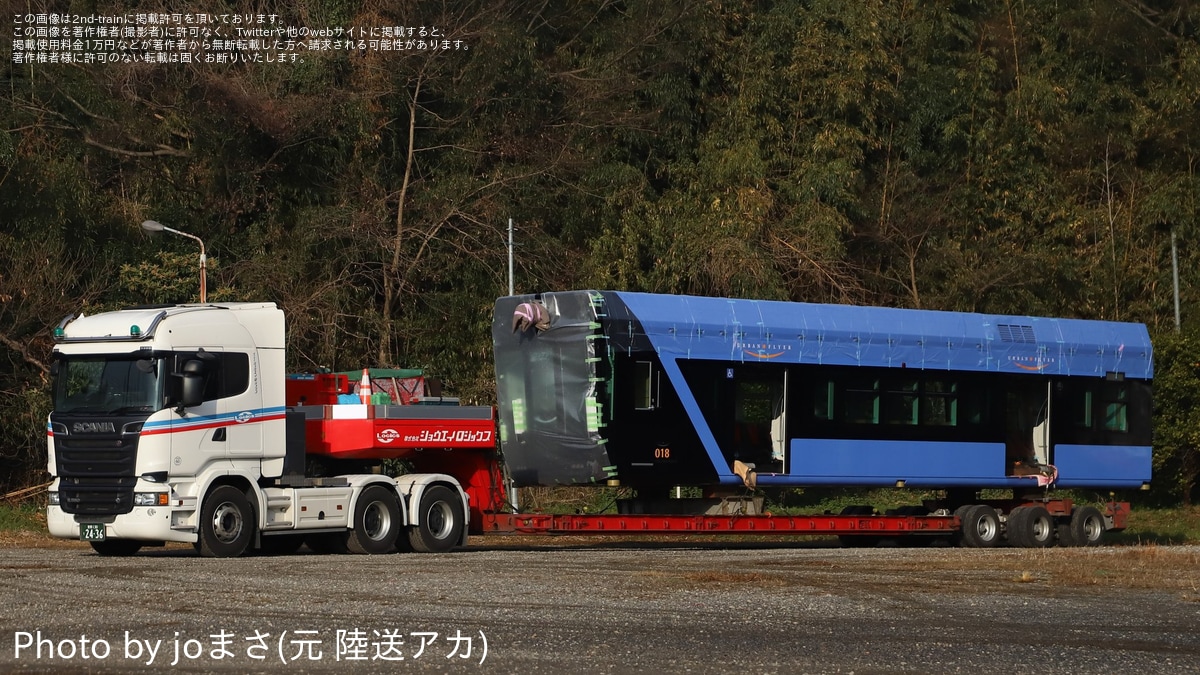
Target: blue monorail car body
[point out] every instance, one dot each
(653, 391)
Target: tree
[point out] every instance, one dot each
(1177, 415)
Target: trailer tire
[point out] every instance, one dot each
(376, 522)
(226, 523)
(117, 548)
(980, 526)
(1086, 527)
(441, 521)
(1031, 527)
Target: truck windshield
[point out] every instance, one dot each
(109, 385)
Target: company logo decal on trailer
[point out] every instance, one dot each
(387, 435)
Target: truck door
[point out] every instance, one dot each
(191, 438)
(240, 406)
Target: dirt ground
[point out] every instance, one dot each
(530, 604)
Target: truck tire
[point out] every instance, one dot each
(1031, 527)
(116, 547)
(226, 523)
(980, 526)
(441, 521)
(376, 521)
(1086, 527)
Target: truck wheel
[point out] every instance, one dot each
(1086, 527)
(226, 523)
(116, 547)
(441, 521)
(376, 522)
(980, 526)
(1031, 527)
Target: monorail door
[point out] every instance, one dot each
(1028, 427)
(759, 430)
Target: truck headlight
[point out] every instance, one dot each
(53, 498)
(150, 499)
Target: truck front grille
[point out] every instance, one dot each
(96, 472)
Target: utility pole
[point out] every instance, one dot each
(1175, 277)
(510, 256)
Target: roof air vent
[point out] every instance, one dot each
(1016, 333)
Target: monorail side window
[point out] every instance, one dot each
(643, 383)
(901, 402)
(1083, 415)
(1116, 408)
(823, 400)
(940, 404)
(862, 401)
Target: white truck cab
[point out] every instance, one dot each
(170, 425)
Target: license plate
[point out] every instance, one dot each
(91, 531)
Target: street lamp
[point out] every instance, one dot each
(155, 226)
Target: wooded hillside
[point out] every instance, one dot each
(1013, 157)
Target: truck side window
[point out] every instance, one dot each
(235, 374)
(227, 374)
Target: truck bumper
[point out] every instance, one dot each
(144, 523)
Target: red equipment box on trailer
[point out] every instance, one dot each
(398, 420)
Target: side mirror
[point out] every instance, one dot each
(193, 384)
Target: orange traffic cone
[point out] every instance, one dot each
(364, 388)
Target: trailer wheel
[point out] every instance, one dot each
(441, 521)
(1030, 527)
(226, 523)
(116, 547)
(980, 526)
(376, 522)
(1086, 527)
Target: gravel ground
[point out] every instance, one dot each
(607, 607)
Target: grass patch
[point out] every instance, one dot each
(1179, 525)
(25, 517)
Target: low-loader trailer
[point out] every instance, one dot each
(180, 424)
